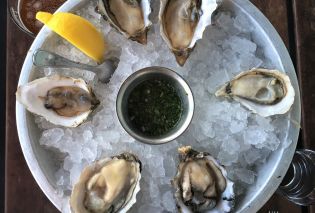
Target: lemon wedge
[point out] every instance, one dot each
(78, 31)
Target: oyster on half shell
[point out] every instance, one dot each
(265, 92)
(201, 184)
(129, 17)
(107, 186)
(183, 23)
(61, 100)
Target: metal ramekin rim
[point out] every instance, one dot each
(168, 137)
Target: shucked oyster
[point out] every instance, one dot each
(201, 184)
(61, 100)
(265, 92)
(183, 23)
(130, 17)
(107, 186)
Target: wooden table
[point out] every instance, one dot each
(293, 19)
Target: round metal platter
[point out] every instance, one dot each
(269, 175)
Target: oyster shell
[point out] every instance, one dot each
(265, 92)
(61, 100)
(183, 23)
(109, 185)
(201, 184)
(129, 17)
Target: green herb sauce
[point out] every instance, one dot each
(154, 107)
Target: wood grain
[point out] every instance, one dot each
(304, 13)
(3, 26)
(276, 12)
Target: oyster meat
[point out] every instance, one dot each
(183, 23)
(61, 100)
(107, 186)
(130, 17)
(265, 92)
(201, 184)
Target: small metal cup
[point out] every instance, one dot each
(182, 89)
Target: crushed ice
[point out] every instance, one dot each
(239, 139)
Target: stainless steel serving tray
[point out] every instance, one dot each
(270, 174)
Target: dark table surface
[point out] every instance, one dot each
(293, 19)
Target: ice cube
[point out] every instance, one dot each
(245, 175)
(226, 158)
(168, 201)
(51, 137)
(254, 135)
